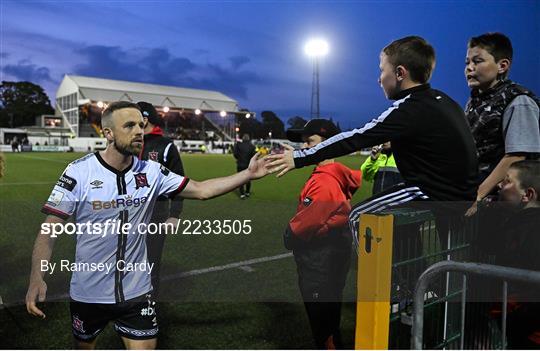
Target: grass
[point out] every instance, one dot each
(255, 308)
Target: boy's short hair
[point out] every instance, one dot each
(497, 44)
(528, 173)
(415, 54)
(115, 106)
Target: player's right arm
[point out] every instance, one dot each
(173, 184)
(211, 188)
(43, 247)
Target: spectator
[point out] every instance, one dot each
(430, 137)
(380, 168)
(503, 116)
(243, 152)
(320, 238)
(520, 193)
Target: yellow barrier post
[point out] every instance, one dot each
(374, 281)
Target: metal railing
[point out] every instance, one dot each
(486, 270)
(395, 247)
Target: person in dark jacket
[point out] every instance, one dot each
(243, 152)
(520, 248)
(432, 143)
(504, 116)
(161, 149)
(320, 238)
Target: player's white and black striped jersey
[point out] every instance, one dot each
(93, 192)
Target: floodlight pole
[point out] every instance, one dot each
(315, 112)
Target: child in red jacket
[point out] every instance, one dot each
(320, 237)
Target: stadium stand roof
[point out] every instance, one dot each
(107, 90)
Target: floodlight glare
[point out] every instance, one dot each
(223, 113)
(166, 109)
(197, 112)
(248, 115)
(316, 47)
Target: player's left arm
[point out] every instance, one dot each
(218, 186)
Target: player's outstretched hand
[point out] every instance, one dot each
(257, 167)
(281, 163)
(36, 290)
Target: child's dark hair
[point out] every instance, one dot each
(497, 44)
(528, 173)
(415, 54)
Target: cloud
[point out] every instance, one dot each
(159, 66)
(238, 61)
(24, 70)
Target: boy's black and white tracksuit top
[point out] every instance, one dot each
(431, 140)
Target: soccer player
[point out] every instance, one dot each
(432, 144)
(161, 149)
(107, 186)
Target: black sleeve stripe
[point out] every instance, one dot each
(183, 185)
(54, 212)
(180, 188)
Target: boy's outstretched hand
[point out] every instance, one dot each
(281, 163)
(258, 167)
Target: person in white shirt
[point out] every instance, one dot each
(115, 187)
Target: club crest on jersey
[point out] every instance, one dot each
(307, 201)
(78, 324)
(153, 155)
(141, 181)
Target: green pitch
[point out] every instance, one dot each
(222, 302)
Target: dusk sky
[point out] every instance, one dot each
(252, 51)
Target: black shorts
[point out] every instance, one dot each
(133, 319)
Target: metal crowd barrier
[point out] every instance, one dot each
(395, 247)
(486, 270)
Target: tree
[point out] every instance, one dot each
(252, 127)
(272, 124)
(296, 122)
(21, 103)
